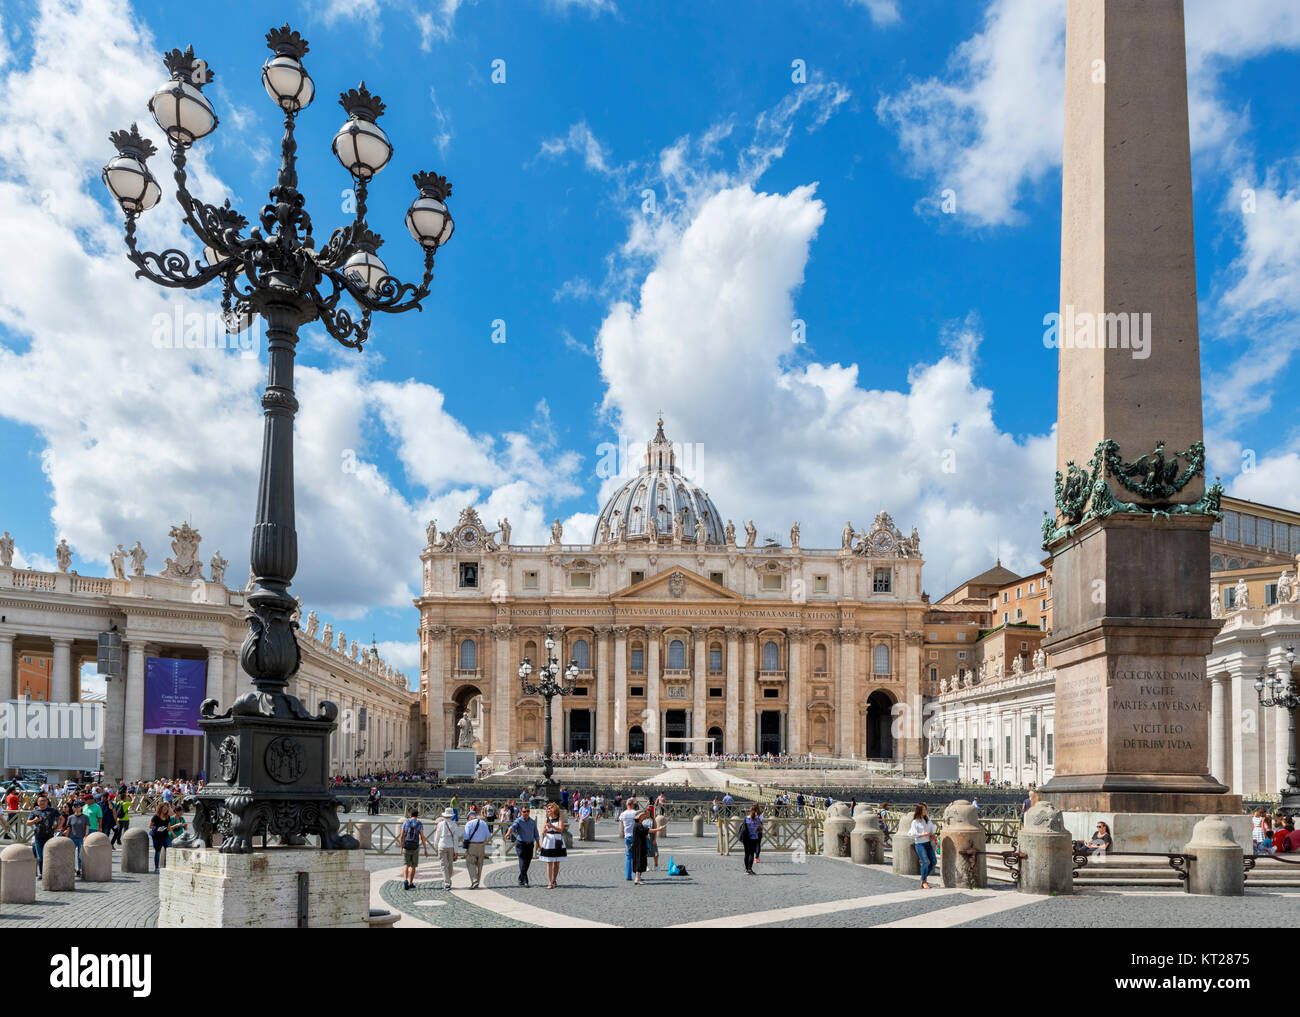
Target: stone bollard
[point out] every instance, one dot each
(867, 843)
(17, 875)
(1048, 865)
(698, 824)
(906, 862)
(1217, 869)
(60, 869)
(587, 829)
(661, 819)
(97, 859)
(568, 836)
(135, 850)
(837, 825)
(962, 832)
(366, 838)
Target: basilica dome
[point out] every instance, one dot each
(649, 502)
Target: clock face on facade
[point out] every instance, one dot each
(468, 535)
(882, 542)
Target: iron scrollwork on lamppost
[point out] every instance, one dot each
(551, 682)
(1282, 694)
(270, 753)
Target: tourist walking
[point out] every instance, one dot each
(751, 836)
(642, 830)
(455, 808)
(412, 840)
(923, 836)
(552, 848)
(158, 833)
(477, 832)
(628, 818)
(446, 835)
(77, 829)
(45, 817)
(523, 831)
(122, 811)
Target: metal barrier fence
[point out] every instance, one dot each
(795, 835)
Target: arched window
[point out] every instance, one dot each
(771, 656)
(468, 655)
(715, 658)
(882, 659)
(582, 655)
(819, 657)
(676, 655)
(637, 664)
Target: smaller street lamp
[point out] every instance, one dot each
(1281, 693)
(551, 683)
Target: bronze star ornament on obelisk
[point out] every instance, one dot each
(1130, 536)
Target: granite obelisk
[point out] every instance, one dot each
(1130, 536)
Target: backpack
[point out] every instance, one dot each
(411, 834)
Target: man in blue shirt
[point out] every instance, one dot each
(523, 831)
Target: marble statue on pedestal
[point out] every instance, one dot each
(1284, 588)
(185, 546)
(503, 525)
(751, 535)
(730, 533)
(794, 536)
(846, 537)
(1216, 604)
(7, 550)
(431, 533)
(327, 635)
(701, 532)
(118, 560)
(138, 557)
(651, 528)
(63, 554)
(217, 565)
(1040, 659)
(1242, 599)
(464, 732)
(313, 621)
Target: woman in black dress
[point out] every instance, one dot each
(641, 842)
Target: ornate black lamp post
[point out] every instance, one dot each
(552, 683)
(1282, 693)
(267, 754)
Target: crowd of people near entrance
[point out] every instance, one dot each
(1273, 834)
(77, 810)
(584, 758)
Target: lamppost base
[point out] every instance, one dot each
(1290, 802)
(548, 790)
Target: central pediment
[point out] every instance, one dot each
(676, 584)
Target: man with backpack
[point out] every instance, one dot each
(412, 839)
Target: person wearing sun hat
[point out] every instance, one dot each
(446, 836)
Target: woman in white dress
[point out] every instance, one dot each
(923, 836)
(552, 848)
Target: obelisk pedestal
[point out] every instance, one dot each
(1130, 537)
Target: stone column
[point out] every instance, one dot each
(654, 633)
(620, 689)
(114, 727)
(501, 695)
(751, 704)
(604, 704)
(215, 675)
(731, 729)
(795, 696)
(231, 675)
(61, 671)
(1131, 589)
(1218, 730)
(437, 680)
(133, 719)
(6, 668)
(847, 684)
(698, 729)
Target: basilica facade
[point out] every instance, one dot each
(686, 638)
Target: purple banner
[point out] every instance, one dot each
(173, 691)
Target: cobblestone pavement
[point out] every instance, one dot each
(130, 901)
(815, 893)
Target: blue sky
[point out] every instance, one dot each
(796, 154)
